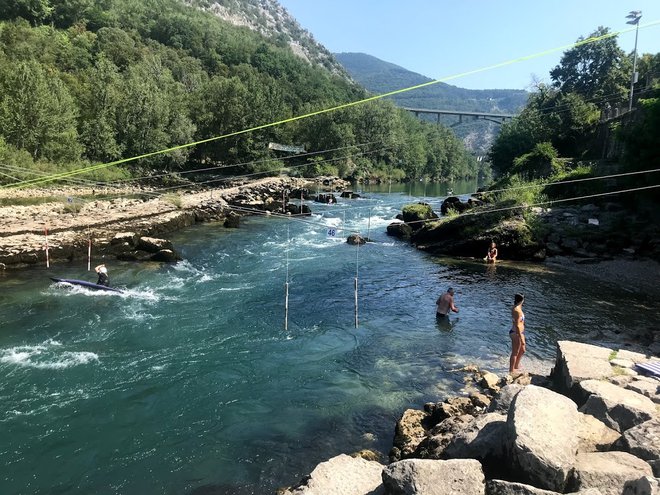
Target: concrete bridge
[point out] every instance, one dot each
(498, 118)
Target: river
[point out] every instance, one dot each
(188, 383)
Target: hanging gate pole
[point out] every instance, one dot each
(47, 259)
(286, 284)
(357, 258)
(89, 254)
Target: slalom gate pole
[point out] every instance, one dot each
(286, 306)
(357, 258)
(47, 258)
(89, 255)
(369, 223)
(286, 284)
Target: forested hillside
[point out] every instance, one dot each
(88, 82)
(380, 77)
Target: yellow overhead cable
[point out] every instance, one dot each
(62, 175)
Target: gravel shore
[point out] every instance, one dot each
(633, 275)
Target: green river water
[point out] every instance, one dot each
(188, 383)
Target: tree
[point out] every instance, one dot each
(598, 71)
(35, 11)
(99, 110)
(37, 113)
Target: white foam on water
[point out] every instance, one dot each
(46, 356)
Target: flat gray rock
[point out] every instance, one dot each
(482, 438)
(577, 362)
(432, 477)
(342, 475)
(618, 408)
(643, 440)
(594, 435)
(609, 472)
(542, 436)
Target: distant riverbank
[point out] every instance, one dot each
(70, 218)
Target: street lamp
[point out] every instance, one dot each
(634, 16)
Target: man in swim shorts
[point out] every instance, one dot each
(445, 304)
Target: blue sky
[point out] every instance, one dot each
(440, 38)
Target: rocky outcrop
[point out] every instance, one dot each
(400, 230)
(417, 215)
(643, 440)
(577, 362)
(594, 435)
(613, 473)
(618, 408)
(429, 477)
(470, 235)
(342, 475)
(356, 239)
(531, 436)
(542, 429)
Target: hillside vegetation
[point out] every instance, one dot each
(380, 77)
(87, 82)
(578, 127)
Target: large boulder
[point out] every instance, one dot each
(433, 446)
(430, 477)
(400, 230)
(577, 362)
(166, 256)
(153, 244)
(594, 435)
(609, 472)
(482, 439)
(470, 235)
(454, 203)
(643, 440)
(416, 215)
(342, 475)
(542, 429)
(618, 408)
(502, 401)
(409, 432)
(501, 487)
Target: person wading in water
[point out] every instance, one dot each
(445, 304)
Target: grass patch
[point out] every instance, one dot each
(612, 355)
(619, 371)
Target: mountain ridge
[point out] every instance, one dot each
(379, 76)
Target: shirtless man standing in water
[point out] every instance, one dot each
(517, 333)
(445, 303)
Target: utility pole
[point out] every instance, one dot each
(634, 16)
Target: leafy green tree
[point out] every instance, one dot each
(37, 113)
(152, 115)
(34, 11)
(597, 71)
(98, 123)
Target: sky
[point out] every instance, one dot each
(445, 38)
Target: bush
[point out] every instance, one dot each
(539, 163)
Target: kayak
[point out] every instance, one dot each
(84, 283)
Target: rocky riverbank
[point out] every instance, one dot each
(592, 427)
(126, 222)
(589, 232)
